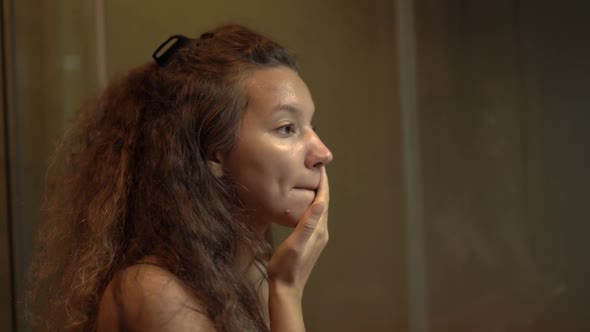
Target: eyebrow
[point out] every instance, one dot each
(289, 108)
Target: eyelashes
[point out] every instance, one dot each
(290, 129)
(286, 129)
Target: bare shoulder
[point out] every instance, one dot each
(146, 297)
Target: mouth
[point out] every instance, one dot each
(307, 188)
(312, 189)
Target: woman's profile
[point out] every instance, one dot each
(160, 195)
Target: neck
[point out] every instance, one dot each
(254, 271)
(245, 254)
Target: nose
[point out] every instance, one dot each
(318, 153)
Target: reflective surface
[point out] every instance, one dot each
(503, 128)
(50, 69)
(504, 125)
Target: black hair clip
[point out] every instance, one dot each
(207, 35)
(173, 43)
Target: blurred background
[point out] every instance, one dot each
(460, 131)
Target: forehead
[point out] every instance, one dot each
(270, 88)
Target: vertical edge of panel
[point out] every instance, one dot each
(7, 295)
(416, 261)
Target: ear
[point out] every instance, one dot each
(215, 164)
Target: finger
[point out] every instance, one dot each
(315, 214)
(323, 191)
(307, 224)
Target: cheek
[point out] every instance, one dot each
(265, 176)
(270, 173)
(258, 183)
(298, 201)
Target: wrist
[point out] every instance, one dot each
(285, 308)
(285, 291)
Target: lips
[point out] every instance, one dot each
(307, 192)
(310, 188)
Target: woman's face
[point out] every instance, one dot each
(277, 158)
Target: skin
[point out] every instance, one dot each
(279, 163)
(278, 156)
(279, 166)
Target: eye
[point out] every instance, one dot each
(286, 129)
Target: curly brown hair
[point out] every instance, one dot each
(130, 180)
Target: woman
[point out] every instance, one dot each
(166, 185)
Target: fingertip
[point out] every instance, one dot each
(317, 209)
(325, 176)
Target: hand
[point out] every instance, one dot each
(292, 263)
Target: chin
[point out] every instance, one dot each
(290, 218)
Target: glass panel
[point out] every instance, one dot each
(504, 129)
(52, 52)
(502, 124)
(6, 280)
